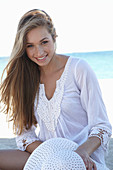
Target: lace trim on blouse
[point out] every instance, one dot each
(49, 110)
(25, 139)
(102, 134)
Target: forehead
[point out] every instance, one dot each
(38, 33)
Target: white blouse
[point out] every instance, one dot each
(76, 110)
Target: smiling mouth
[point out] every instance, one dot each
(41, 58)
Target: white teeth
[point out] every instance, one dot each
(41, 58)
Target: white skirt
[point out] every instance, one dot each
(57, 154)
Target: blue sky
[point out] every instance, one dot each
(81, 25)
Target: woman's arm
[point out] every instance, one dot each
(92, 102)
(28, 140)
(90, 145)
(86, 149)
(30, 148)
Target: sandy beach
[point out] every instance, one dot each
(7, 138)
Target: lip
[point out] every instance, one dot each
(41, 58)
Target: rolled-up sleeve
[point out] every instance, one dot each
(92, 103)
(26, 138)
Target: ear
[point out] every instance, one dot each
(54, 38)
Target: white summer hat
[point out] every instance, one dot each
(55, 154)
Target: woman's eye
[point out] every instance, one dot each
(28, 46)
(44, 42)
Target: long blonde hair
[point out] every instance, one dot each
(19, 88)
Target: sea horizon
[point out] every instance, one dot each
(100, 61)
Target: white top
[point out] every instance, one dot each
(76, 110)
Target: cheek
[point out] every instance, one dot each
(51, 47)
(29, 53)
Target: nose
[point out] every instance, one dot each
(39, 51)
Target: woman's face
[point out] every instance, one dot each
(40, 46)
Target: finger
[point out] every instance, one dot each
(85, 162)
(90, 165)
(94, 166)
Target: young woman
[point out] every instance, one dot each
(58, 93)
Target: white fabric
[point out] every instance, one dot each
(76, 110)
(49, 110)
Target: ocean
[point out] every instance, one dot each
(101, 62)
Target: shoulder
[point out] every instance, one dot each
(64, 59)
(81, 69)
(77, 65)
(80, 65)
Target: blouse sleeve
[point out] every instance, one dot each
(27, 137)
(92, 103)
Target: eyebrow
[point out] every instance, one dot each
(40, 40)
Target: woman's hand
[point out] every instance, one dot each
(86, 149)
(30, 148)
(89, 164)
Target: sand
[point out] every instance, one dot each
(7, 138)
